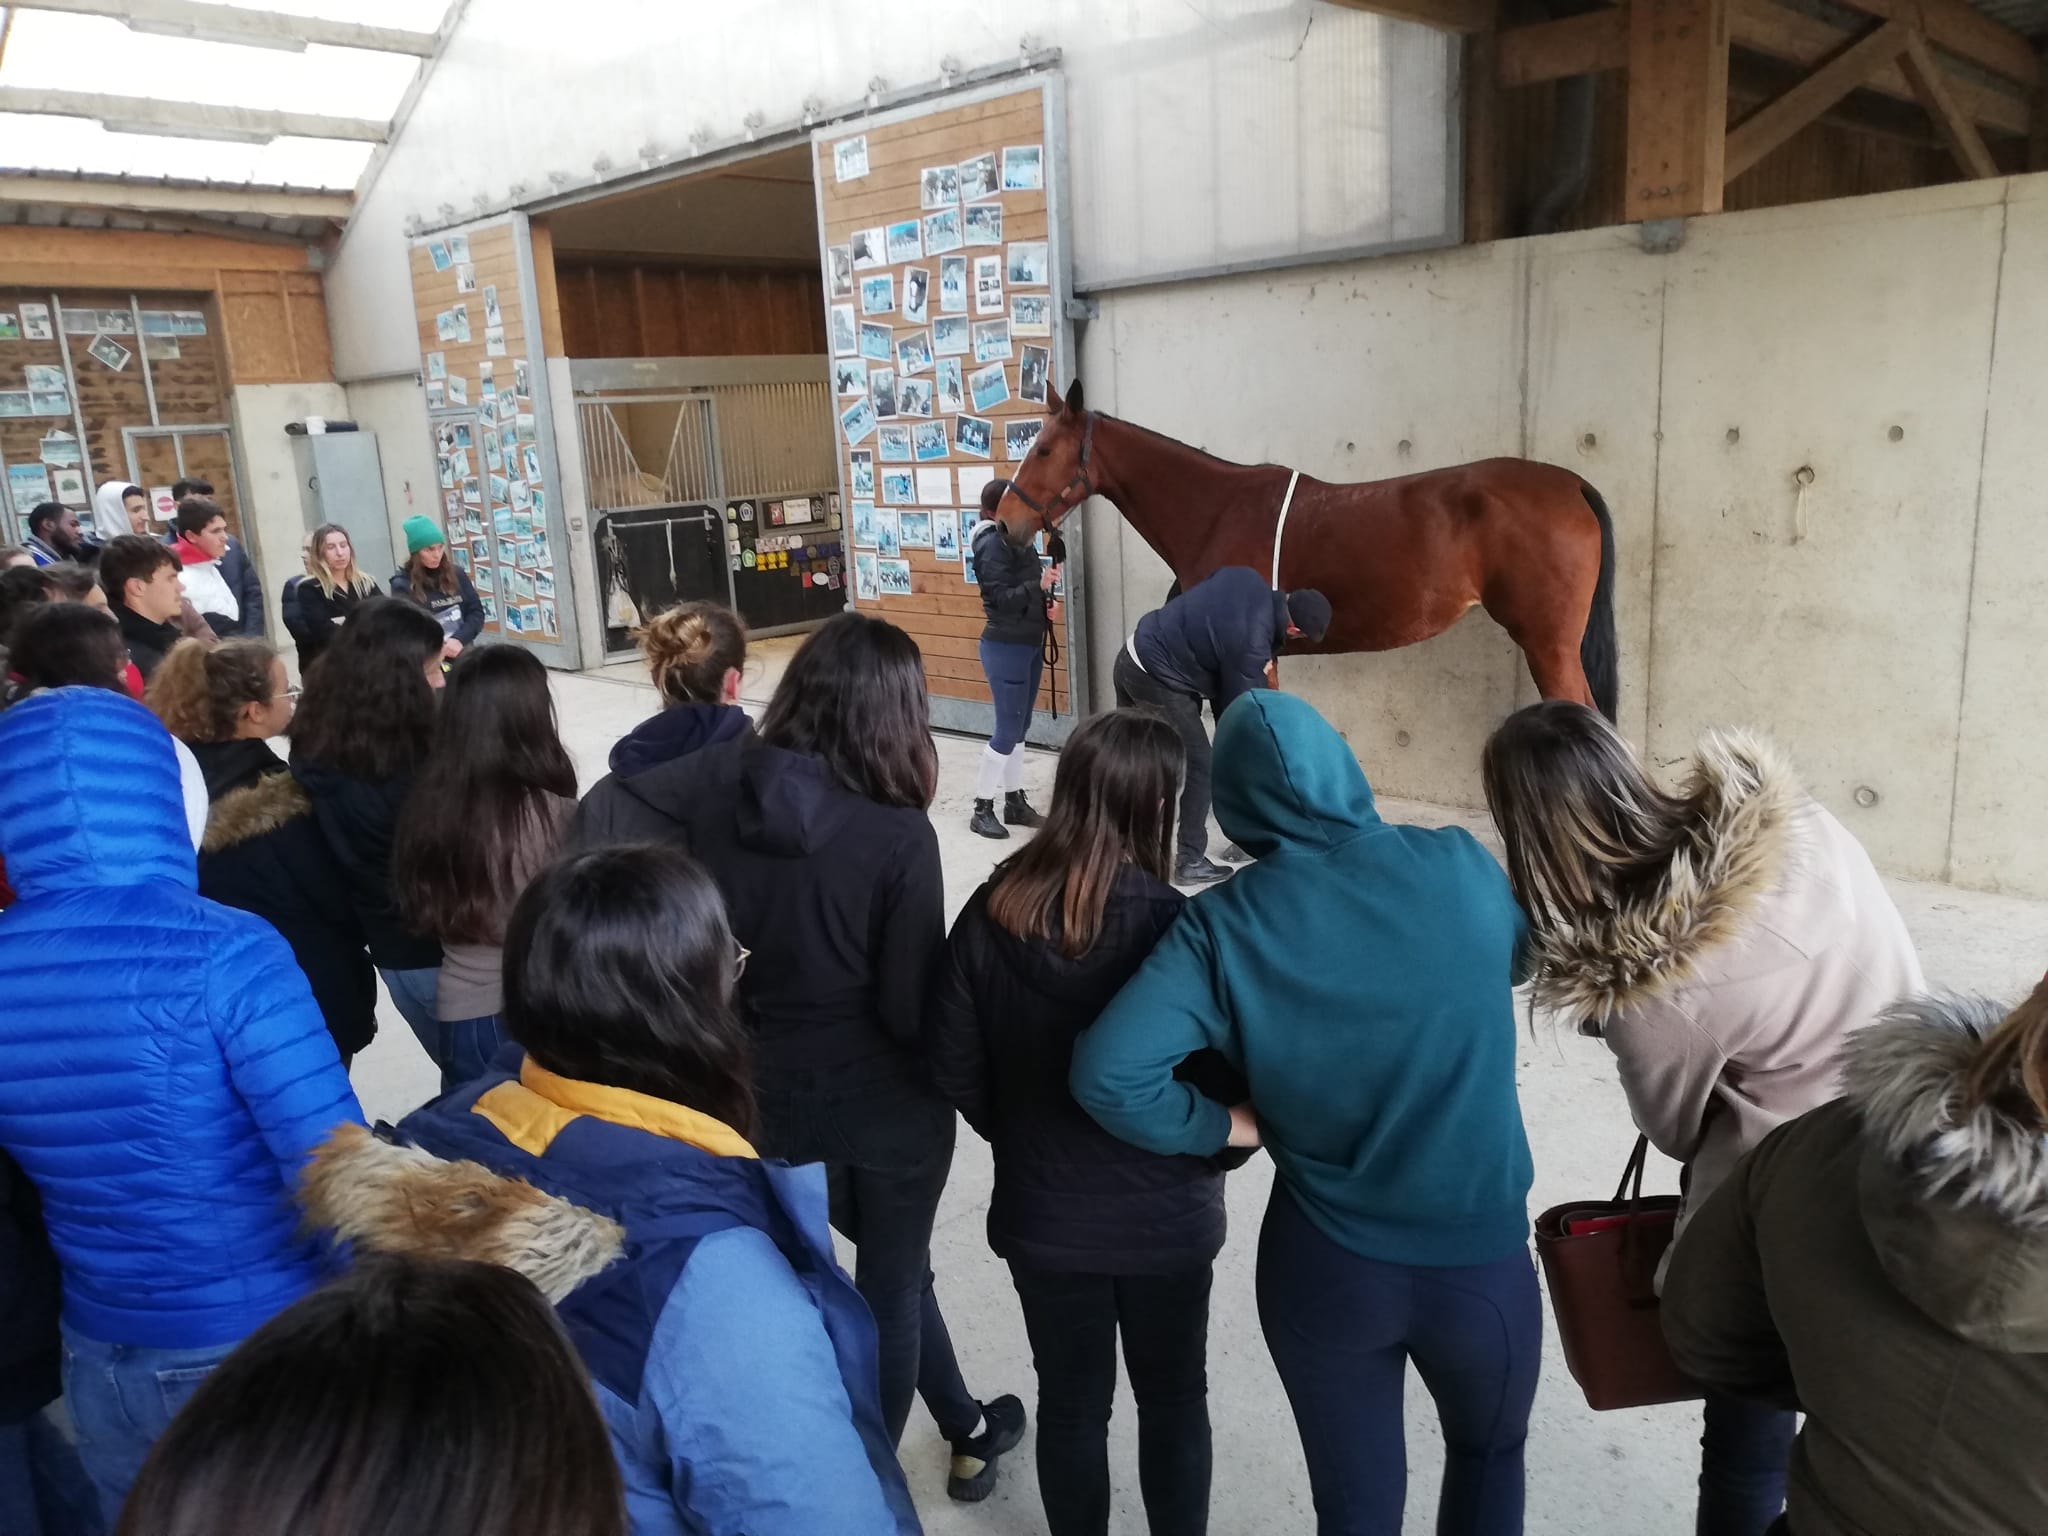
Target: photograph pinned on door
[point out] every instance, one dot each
(899, 488)
(914, 352)
(839, 262)
(845, 331)
(988, 285)
(863, 478)
(951, 336)
(866, 585)
(929, 440)
(938, 186)
(917, 294)
(914, 397)
(905, 241)
(915, 529)
(864, 523)
(953, 285)
(850, 158)
(1031, 314)
(1018, 437)
(950, 389)
(1023, 167)
(878, 294)
(1030, 264)
(849, 377)
(857, 421)
(869, 247)
(991, 340)
(946, 536)
(888, 538)
(942, 232)
(892, 445)
(882, 392)
(988, 387)
(973, 435)
(1032, 373)
(894, 576)
(877, 342)
(978, 177)
(984, 224)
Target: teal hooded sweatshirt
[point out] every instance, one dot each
(1360, 976)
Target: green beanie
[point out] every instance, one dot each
(422, 533)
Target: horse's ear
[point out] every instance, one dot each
(1074, 398)
(1054, 405)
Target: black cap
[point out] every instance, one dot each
(1310, 612)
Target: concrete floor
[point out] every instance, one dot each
(1616, 1474)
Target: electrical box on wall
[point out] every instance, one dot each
(341, 481)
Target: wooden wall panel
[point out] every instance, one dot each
(186, 371)
(943, 613)
(688, 309)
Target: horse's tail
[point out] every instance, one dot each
(1599, 653)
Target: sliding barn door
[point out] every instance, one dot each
(945, 299)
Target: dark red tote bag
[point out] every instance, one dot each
(1600, 1261)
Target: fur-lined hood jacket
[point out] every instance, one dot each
(1882, 1263)
(1726, 987)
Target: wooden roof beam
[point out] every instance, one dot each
(1965, 32)
(1444, 15)
(232, 24)
(1776, 121)
(1954, 126)
(152, 198)
(188, 119)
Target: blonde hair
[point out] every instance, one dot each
(690, 649)
(316, 564)
(2010, 1071)
(199, 694)
(1581, 820)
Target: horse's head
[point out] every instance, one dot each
(1056, 476)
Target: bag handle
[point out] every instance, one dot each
(1630, 1190)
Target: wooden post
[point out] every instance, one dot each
(1485, 200)
(1776, 121)
(1955, 128)
(1677, 107)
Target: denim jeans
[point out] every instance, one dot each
(122, 1397)
(1183, 711)
(412, 994)
(1073, 1321)
(43, 1487)
(1745, 1447)
(465, 1048)
(1342, 1330)
(886, 1154)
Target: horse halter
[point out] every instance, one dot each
(1064, 497)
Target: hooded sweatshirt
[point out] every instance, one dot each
(1360, 976)
(1882, 1264)
(206, 589)
(839, 899)
(109, 513)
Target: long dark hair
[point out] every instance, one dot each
(322, 1419)
(368, 710)
(68, 645)
(420, 580)
(1583, 824)
(854, 696)
(1113, 799)
(483, 812)
(620, 969)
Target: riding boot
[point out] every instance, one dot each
(1017, 811)
(985, 824)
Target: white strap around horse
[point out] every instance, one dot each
(1280, 528)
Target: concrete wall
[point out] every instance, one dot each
(270, 499)
(396, 410)
(1896, 346)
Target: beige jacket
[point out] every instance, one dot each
(1726, 988)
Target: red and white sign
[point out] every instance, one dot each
(161, 503)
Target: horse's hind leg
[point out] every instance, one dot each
(1555, 667)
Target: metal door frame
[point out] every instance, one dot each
(130, 436)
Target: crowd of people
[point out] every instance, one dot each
(696, 1019)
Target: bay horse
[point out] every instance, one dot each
(1400, 560)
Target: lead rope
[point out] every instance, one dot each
(1057, 548)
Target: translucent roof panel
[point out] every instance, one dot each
(47, 50)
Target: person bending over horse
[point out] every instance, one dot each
(1217, 641)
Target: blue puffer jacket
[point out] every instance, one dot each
(163, 1068)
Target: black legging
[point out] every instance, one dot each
(1134, 685)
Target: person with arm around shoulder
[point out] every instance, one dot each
(1360, 977)
(1016, 597)
(1723, 939)
(237, 570)
(1881, 1264)
(1103, 1239)
(615, 1166)
(433, 580)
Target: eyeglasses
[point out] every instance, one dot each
(293, 694)
(739, 961)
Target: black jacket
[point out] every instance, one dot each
(147, 643)
(1216, 638)
(264, 853)
(31, 1350)
(1009, 577)
(1000, 1037)
(359, 820)
(840, 900)
(320, 616)
(614, 812)
(460, 614)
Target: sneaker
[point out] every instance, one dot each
(1199, 871)
(984, 823)
(973, 1475)
(1017, 811)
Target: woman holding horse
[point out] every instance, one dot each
(1016, 596)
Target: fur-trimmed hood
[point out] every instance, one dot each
(254, 811)
(1956, 1204)
(1737, 851)
(396, 1199)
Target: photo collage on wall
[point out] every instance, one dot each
(939, 301)
(487, 453)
